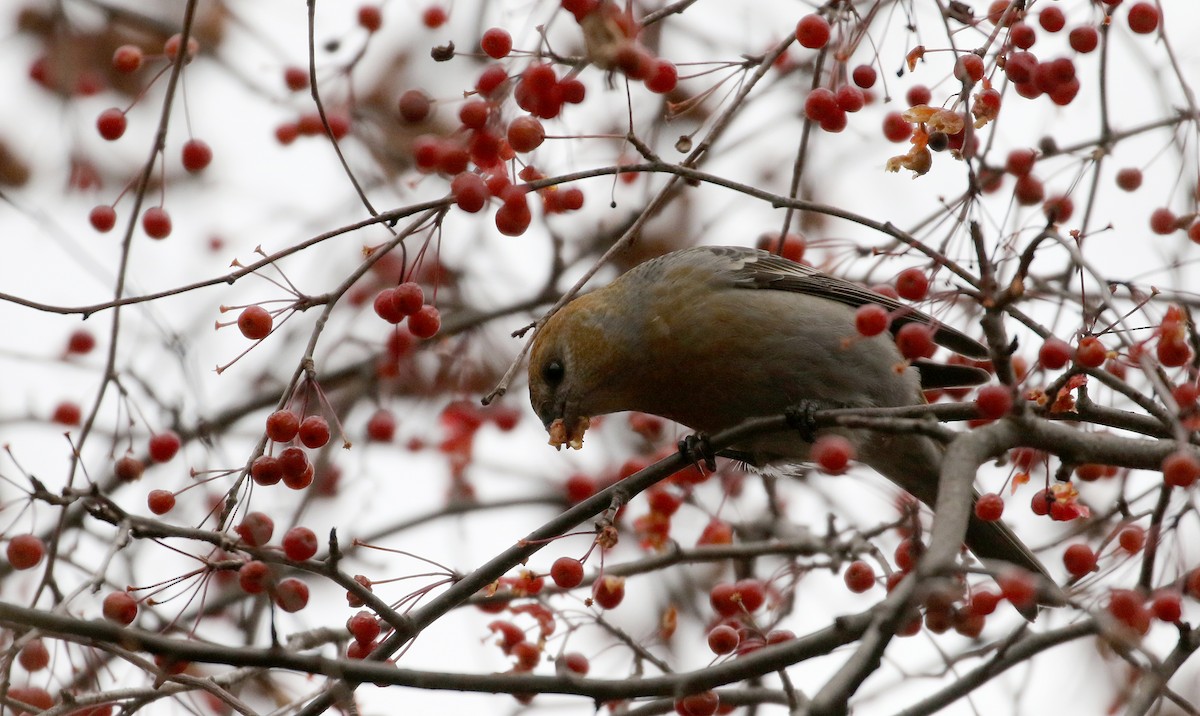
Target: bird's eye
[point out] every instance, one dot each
(553, 371)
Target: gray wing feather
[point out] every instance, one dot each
(752, 268)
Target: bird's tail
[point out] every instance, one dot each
(914, 463)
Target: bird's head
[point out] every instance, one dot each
(578, 367)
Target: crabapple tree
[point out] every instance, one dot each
(270, 271)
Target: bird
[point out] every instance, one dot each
(711, 336)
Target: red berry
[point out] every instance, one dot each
(1018, 587)
(525, 134)
(1163, 221)
(994, 401)
(989, 507)
(859, 577)
(1083, 39)
(282, 425)
(496, 43)
(81, 342)
(791, 248)
(571, 199)
(1020, 67)
(314, 432)
(863, 76)
(1091, 353)
(1003, 11)
(704, 703)
(67, 413)
(751, 593)
(1172, 353)
(850, 99)
(906, 555)
(266, 470)
(573, 91)
(255, 323)
(103, 218)
(370, 18)
(1020, 162)
(434, 17)
(415, 105)
(575, 662)
(1180, 469)
(813, 32)
(196, 155)
(1052, 19)
(871, 319)
(1022, 36)
(34, 656)
(832, 453)
(608, 591)
(1058, 209)
(1129, 178)
(128, 469)
(984, 602)
(968, 69)
(160, 502)
(163, 446)
(634, 60)
(287, 132)
(363, 626)
(156, 222)
(912, 284)
(1143, 18)
(723, 598)
(717, 531)
(1054, 353)
(381, 427)
(470, 191)
(1128, 606)
(513, 218)
(723, 639)
(171, 47)
(111, 124)
(820, 104)
(300, 543)
(254, 577)
(127, 59)
(1167, 606)
(474, 113)
(1041, 502)
(256, 529)
(895, 128)
(291, 595)
(295, 78)
(567, 572)
(25, 551)
(1079, 559)
(1132, 538)
(918, 95)
(915, 341)
(490, 80)
(385, 306)
(426, 322)
(662, 77)
(119, 607)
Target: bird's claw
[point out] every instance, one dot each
(802, 418)
(697, 449)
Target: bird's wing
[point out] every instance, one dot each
(752, 268)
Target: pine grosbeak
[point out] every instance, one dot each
(712, 336)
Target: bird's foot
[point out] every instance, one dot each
(697, 449)
(802, 418)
